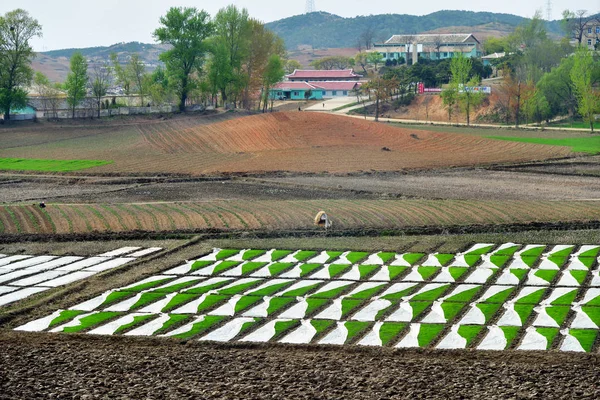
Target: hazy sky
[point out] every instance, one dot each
(84, 23)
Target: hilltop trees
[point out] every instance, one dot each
(77, 81)
(17, 28)
(186, 30)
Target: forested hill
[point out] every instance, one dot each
(324, 30)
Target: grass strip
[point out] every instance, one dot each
(270, 290)
(510, 333)
(585, 337)
(279, 254)
(469, 332)
(457, 272)
(489, 310)
(444, 258)
(502, 296)
(305, 254)
(91, 321)
(354, 328)
(451, 309)
(281, 327)
(250, 267)
(589, 145)
(428, 332)
(464, 297)
(300, 291)
(314, 304)
(413, 258)
(389, 330)
(355, 256)
(368, 293)
(137, 320)
(251, 254)
(278, 268)
(65, 316)
(558, 313)
(549, 334)
(200, 327)
(277, 303)
(307, 269)
(427, 272)
(24, 164)
(174, 319)
(226, 253)
(433, 294)
(321, 325)
(246, 302)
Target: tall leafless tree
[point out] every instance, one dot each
(99, 83)
(575, 23)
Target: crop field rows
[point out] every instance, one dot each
(24, 275)
(289, 214)
(490, 297)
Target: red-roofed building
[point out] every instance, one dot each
(304, 75)
(314, 90)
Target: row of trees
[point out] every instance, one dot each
(227, 59)
(544, 79)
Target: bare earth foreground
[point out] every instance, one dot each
(57, 366)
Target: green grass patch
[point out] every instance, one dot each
(418, 307)
(386, 256)
(333, 255)
(587, 261)
(224, 266)
(279, 254)
(530, 261)
(585, 337)
(226, 253)
(366, 270)
(509, 251)
(238, 288)
(464, 297)
(428, 332)
(427, 272)
(524, 311)
(444, 258)
(147, 298)
(594, 302)
(277, 303)
(489, 310)
(348, 305)
(321, 325)
(281, 327)
(519, 273)
(337, 269)
(210, 301)
(549, 334)
(559, 261)
(589, 145)
(355, 256)
(593, 313)
(546, 274)
(389, 330)
(413, 258)
(270, 290)
(395, 271)
(457, 272)
(451, 309)
(510, 333)
(307, 269)
(206, 289)
(469, 332)
(368, 293)
(305, 254)
(178, 300)
(499, 260)
(314, 304)
(200, 264)
(200, 327)
(115, 297)
(533, 298)
(174, 319)
(64, 317)
(566, 299)
(91, 321)
(502, 296)
(251, 254)
(145, 286)
(483, 250)
(137, 320)
(24, 164)
(250, 267)
(558, 313)
(593, 253)
(579, 276)
(246, 302)
(563, 253)
(433, 294)
(534, 252)
(177, 287)
(278, 268)
(300, 292)
(399, 295)
(330, 294)
(355, 328)
(471, 260)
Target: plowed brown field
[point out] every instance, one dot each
(286, 215)
(284, 141)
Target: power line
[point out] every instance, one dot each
(310, 6)
(549, 11)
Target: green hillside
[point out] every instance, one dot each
(324, 30)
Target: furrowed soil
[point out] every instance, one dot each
(282, 141)
(74, 366)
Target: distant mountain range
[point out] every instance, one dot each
(324, 30)
(318, 30)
